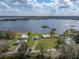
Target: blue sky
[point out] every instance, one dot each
(39, 7)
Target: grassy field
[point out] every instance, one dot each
(46, 43)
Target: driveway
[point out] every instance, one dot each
(34, 46)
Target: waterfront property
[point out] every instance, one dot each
(45, 36)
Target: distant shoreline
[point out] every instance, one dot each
(15, 18)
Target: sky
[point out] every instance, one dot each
(39, 7)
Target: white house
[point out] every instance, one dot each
(23, 36)
(45, 36)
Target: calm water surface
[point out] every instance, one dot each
(35, 25)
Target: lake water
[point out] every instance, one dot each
(35, 25)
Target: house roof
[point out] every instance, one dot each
(24, 36)
(45, 35)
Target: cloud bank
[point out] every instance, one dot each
(36, 8)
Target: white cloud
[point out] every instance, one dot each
(5, 4)
(70, 3)
(50, 8)
(34, 3)
(17, 3)
(45, 8)
(53, 4)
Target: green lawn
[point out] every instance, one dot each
(46, 43)
(30, 41)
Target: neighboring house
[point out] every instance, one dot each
(45, 36)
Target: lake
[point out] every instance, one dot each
(35, 25)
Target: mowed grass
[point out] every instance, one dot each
(46, 43)
(30, 41)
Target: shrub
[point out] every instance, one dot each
(2, 34)
(10, 35)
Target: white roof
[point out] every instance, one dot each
(45, 35)
(24, 36)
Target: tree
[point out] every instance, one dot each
(2, 35)
(4, 48)
(22, 51)
(52, 32)
(10, 35)
(76, 38)
(45, 27)
(29, 33)
(68, 52)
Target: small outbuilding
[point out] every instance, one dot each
(45, 36)
(36, 38)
